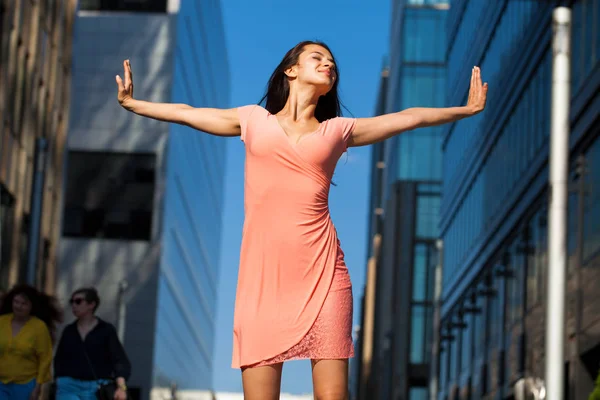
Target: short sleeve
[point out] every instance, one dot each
(347, 127)
(244, 114)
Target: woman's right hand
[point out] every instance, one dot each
(211, 120)
(125, 88)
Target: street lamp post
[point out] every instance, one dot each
(557, 210)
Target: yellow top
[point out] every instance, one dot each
(26, 356)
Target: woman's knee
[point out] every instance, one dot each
(330, 379)
(262, 383)
(332, 394)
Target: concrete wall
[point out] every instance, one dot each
(98, 123)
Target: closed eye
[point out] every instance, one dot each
(319, 56)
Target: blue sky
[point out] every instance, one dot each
(258, 34)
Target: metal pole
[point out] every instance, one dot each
(37, 197)
(121, 310)
(557, 210)
(435, 347)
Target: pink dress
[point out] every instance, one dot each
(294, 297)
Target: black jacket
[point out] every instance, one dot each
(106, 358)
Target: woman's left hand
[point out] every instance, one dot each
(120, 394)
(35, 395)
(477, 92)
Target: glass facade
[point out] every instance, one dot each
(425, 259)
(416, 156)
(421, 74)
(494, 205)
(519, 142)
(193, 207)
(405, 205)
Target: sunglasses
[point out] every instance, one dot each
(76, 301)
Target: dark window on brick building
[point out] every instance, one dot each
(109, 195)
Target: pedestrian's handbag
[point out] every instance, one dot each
(52, 391)
(106, 391)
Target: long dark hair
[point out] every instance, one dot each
(43, 306)
(278, 88)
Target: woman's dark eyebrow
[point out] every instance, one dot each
(318, 52)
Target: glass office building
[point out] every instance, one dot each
(405, 199)
(494, 208)
(143, 204)
(191, 231)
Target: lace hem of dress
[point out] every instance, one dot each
(328, 338)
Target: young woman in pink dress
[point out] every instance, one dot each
(294, 297)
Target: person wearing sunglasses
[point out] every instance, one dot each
(90, 361)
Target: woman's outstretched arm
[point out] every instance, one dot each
(211, 120)
(373, 130)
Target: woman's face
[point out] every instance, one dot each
(21, 306)
(80, 306)
(316, 67)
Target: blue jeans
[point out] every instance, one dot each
(74, 389)
(16, 391)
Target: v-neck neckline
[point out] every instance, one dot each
(12, 331)
(300, 138)
(83, 339)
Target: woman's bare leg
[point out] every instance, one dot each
(262, 383)
(330, 379)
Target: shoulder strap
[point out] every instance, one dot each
(86, 354)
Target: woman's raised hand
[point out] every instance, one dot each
(125, 88)
(477, 92)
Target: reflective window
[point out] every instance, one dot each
(479, 326)
(109, 195)
(515, 265)
(494, 309)
(443, 378)
(536, 267)
(420, 272)
(585, 42)
(453, 361)
(507, 36)
(180, 347)
(527, 129)
(420, 325)
(591, 225)
(422, 83)
(420, 152)
(428, 211)
(466, 343)
(525, 132)
(418, 393)
(421, 305)
(424, 35)
(194, 198)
